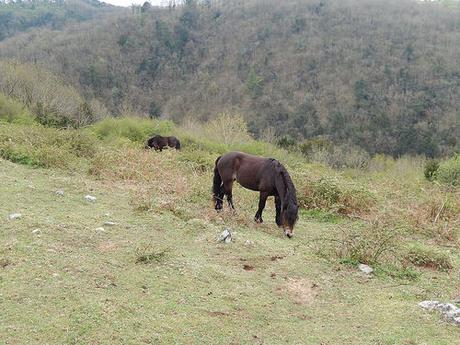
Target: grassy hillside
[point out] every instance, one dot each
(359, 74)
(160, 276)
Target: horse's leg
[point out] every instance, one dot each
(228, 186)
(278, 210)
(262, 201)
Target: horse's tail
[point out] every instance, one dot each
(217, 182)
(177, 144)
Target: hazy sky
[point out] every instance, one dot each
(130, 2)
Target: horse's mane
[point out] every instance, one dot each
(290, 195)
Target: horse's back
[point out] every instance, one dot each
(248, 170)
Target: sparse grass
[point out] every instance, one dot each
(149, 254)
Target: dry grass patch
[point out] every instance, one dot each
(301, 290)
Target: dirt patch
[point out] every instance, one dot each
(107, 247)
(276, 258)
(248, 267)
(4, 262)
(302, 291)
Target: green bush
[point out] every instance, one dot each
(430, 169)
(14, 112)
(39, 146)
(424, 256)
(134, 129)
(449, 171)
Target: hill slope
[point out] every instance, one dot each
(160, 276)
(379, 75)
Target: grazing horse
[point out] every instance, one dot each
(266, 175)
(158, 143)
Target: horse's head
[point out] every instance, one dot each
(289, 216)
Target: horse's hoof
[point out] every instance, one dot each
(259, 220)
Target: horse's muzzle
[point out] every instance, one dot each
(288, 233)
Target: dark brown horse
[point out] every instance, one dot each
(266, 175)
(158, 143)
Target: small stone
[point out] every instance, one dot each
(36, 231)
(108, 223)
(60, 193)
(100, 229)
(14, 216)
(365, 269)
(90, 198)
(55, 274)
(226, 236)
(249, 243)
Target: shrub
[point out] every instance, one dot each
(133, 129)
(337, 196)
(46, 147)
(376, 242)
(424, 256)
(430, 169)
(14, 112)
(229, 129)
(449, 171)
(286, 142)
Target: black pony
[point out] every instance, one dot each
(266, 175)
(158, 143)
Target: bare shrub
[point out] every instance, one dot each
(375, 242)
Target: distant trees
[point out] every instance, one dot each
(21, 15)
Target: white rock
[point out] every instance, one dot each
(36, 231)
(365, 269)
(108, 223)
(60, 193)
(428, 305)
(450, 312)
(249, 243)
(14, 216)
(100, 229)
(90, 198)
(226, 236)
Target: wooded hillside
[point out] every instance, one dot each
(380, 75)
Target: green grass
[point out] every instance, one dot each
(72, 284)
